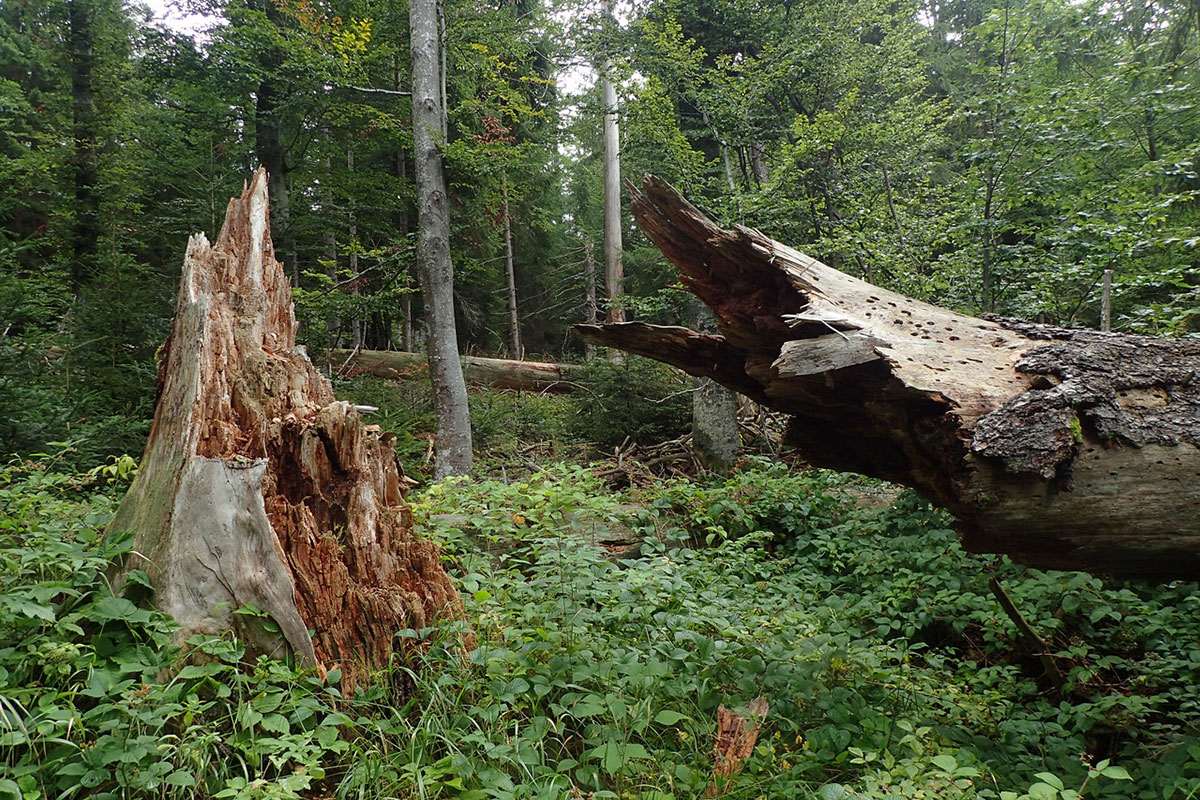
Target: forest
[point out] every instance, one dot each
(645, 400)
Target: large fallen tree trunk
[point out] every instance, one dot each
(501, 373)
(259, 489)
(1065, 449)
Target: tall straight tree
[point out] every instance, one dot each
(86, 230)
(269, 146)
(614, 272)
(433, 246)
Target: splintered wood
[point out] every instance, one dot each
(736, 737)
(262, 496)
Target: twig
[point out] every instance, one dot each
(349, 358)
(1033, 642)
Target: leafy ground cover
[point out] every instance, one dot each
(888, 667)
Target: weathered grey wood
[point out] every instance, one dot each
(453, 437)
(825, 353)
(715, 432)
(614, 271)
(1062, 448)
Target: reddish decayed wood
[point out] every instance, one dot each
(282, 463)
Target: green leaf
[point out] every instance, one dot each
(668, 717)
(1116, 773)
(180, 777)
(1050, 778)
(947, 763)
(612, 757)
(275, 723)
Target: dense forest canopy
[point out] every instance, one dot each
(991, 157)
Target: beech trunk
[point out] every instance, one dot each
(1065, 449)
(258, 488)
(453, 456)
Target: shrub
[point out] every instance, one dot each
(638, 399)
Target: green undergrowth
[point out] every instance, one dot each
(888, 667)
(638, 401)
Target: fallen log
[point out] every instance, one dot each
(1066, 449)
(500, 373)
(258, 489)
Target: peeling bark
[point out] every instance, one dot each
(258, 487)
(1062, 448)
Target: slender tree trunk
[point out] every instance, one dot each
(356, 321)
(724, 150)
(406, 309)
(614, 272)
(714, 412)
(433, 247)
(402, 224)
(268, 145)
(514, 318)
(86, 229)
(442, 69)
(987, 290)
(1106, 302)
(334, 323)
(590, 309)
(758, 162)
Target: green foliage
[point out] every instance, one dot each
(637, 399)
(889, 669)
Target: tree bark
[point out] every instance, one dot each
(614, 271)
(590, 308)
(258, 488)
(268, 143)
(1066, 449)
(453, 455)
(514, 318)
(499, 373)
(86, 229)
(714, 413)
(357, 323)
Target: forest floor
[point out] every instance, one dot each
(843, 607)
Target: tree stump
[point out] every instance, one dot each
(257, 488)
(1066, 449)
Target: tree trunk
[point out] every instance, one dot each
(758, 163)
(614, 271)
(514, 318)
(86, 229)
(1066, 449)
(402, 223)
(500, 373)
(268, 143)
(714, 413)
(357, 323)
(333, 325)
(433, 248)
(590, 309)
(258, 488)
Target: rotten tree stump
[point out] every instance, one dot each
(258, 488)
